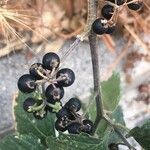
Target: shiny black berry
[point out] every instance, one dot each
(87, 126)
(119, 2)
(26, 83)
(40, 114)
(135, 5)
(63, 113)
(33, 70)
(73, 104)
(50, 61)
(59, 126)
(29, 102)
(74, 128)
(54, 93)
(66, 77)
(110, 29)
(113, 146)
(99, 27)
(107, 11)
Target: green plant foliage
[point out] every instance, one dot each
(110, 95)
(40, 134)
(142, 135)
(73, 142)
(117, 116)
(111, 92)
(21, 142)
(26, 123)
(109, 135)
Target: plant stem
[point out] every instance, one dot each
(109, 121)
(92, 13)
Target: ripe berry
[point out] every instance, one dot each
(113, 146)
(98, 26)
(27, 103)
(111, 29)
(59, 125)
(26, 83)
(63, 113)
(40, 115)
(119, 2)
(74, 128)
(135, 5)
(50, 61)
(33, 70)
(68, 76)
(87, 126)
(54, 93)
(73, 104)
(107, 11)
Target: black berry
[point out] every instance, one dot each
(66, 77)
(113, 146)
(74, 128)
(54, 93)
(33, 70)
(135, 5)
(63, 113)
(50, 61)
(59, 126)
(107, 11)
(87, 126)
(28, 103)
(73, 104)
(110, 29)
(98, 26)
(26, 83)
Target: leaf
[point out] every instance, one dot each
(117, 116)
(111, 92)
(83, 137)
(26, 123)
(109, 135)
(142, 135)
(110, 97)
(72, 142)
(21, 142)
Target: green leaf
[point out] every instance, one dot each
(117, 116)
(26, 123)
(72, 142)
(111, 92)
(110, 96)
(21, 142)
(142, 135)
(83, 137)
(109, 135)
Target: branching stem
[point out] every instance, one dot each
(92, 13)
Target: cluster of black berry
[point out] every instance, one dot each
(69, 119)
(48, 82)
(107, 23)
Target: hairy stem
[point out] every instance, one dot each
(92, 13)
